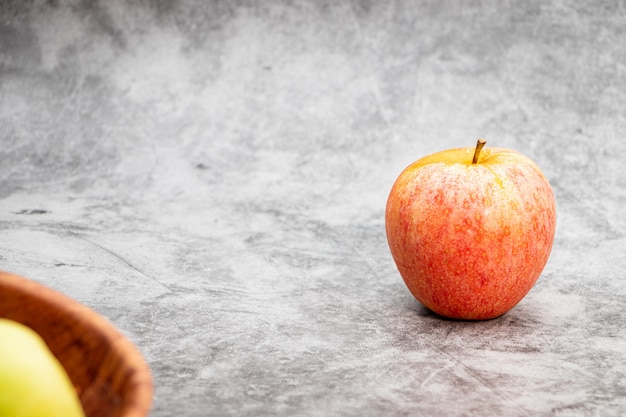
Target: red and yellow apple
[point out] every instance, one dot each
(471, 229)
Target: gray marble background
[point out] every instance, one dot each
(211, 176)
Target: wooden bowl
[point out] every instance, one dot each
(110, 375)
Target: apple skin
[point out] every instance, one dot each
(471, 239)
(33, 382)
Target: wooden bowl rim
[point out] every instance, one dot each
(137, 399)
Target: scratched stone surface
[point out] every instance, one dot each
(211, 177)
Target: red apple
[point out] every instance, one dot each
(471, 229)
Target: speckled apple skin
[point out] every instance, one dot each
(470, 240)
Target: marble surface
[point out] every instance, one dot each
(211, 176)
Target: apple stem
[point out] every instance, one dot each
(479, 147)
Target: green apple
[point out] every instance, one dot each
(33, 383)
